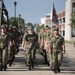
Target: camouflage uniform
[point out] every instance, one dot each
(31, 40)
(4, 39)
(11, 51)
(47, 44)
(56, 44)
(16, 39)
(44, 38)
(23, 41)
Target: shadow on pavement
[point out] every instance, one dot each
(68, 65)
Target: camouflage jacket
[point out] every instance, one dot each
(31, 40)
(4, 40)
(57, 42)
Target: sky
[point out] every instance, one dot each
(33, 10)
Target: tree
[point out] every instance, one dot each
(19, 21)
(40, 27)
(29, 24)
(12, 21)
(72, 24)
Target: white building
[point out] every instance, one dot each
(61, 23)
(64, 19)
(42, 21)
(45, 20)
(69, 32)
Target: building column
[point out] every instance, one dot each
(67, 20)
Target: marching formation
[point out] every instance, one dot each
(48, 41)
(9, 45)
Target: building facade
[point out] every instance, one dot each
(70, 8)
(61, 22)
(64, 20)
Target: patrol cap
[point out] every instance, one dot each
(47, 27)
(30, 27)
(3, 27)
(55, 29)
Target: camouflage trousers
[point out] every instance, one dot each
(16, 48)
(0, 57)
(11, 53)
(4, 56)
(30, 55)
(57, 58)
(49, 57)
(41, 50)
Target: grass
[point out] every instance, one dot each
(71, 42)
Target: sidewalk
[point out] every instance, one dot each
(68, 64)
(70, 50)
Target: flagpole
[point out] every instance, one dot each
(1, 11)
(51, 16)
(0, 14)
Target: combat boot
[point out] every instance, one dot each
(58, 69)
(26, 63)
(29, 67)
(10, 62)
(1, 67)
(55, 71)
(13, 58)
(48, 63)
(33, 65)
(5, 67)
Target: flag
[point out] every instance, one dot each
(54, 17)
(4, 14)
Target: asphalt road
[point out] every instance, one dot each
(19, 68)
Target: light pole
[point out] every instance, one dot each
(15, 3)
(19, 21)
(0, 12)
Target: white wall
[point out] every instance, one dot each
(42, 21)
(67, 20)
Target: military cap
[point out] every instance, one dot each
(3, 27)
(29, 27)
(56, 28)
(47, 27)
(14, 27)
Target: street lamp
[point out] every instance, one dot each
(19, 22)
(15, 3)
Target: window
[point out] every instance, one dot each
(60, 20)
(63, 20)
(73, 7)
(60, 32)
(63, 33)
